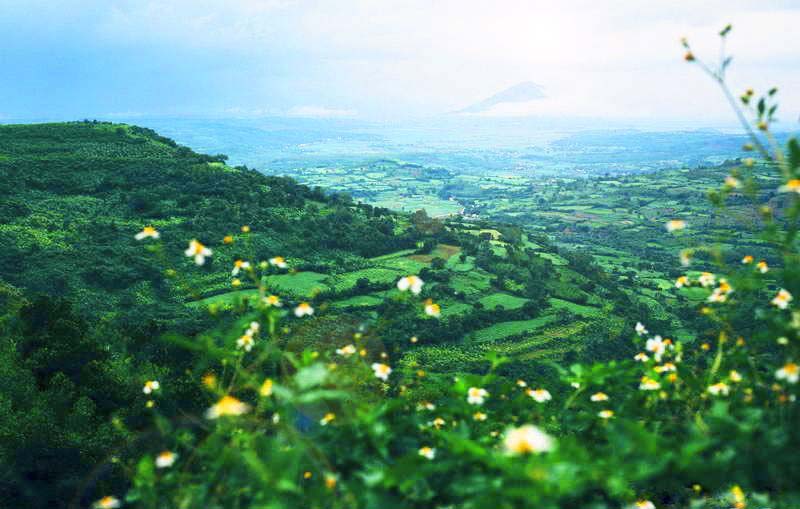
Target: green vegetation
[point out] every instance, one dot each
(390, 359)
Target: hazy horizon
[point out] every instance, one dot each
(388, 62)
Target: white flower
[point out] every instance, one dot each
(151, 386)
(643, 504)
(245, 342)
(641, 329)
(675, 225)
(107, 503)
(648, 384)
(412, 283)
(228, 405)
(707, 279)
(657, 346)
(540, 395)
(427, 452)
(527, 439)
(476, 396)
(782, 299)
(599, 396)
(166, 459)
(198, 251)
(303, 309)
(685, 258)
(681, 282)
(762, 267)
(346, 350)
(789, 372)
(278, 261)
(238, 265)
(147, 231)
(432, 309)
(732, 182)
(720, 388)
(641, 357)
(605, 414)
(382, 371)
(272, 300)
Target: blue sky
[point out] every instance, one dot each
(383, 59)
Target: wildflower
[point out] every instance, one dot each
(426, 405)
(719, 388)
(747, 259)
(667, 366)
(793, 186)
(675, 225)
(151, 386)
(476, 396)
(227, 239)
(198, 251)
(643, 504)
(685, 257)
(427, 452)
(599, 396)
(522, 383)
(278, 261)
(228, 405)
(437, 422)
(720, 294)
(346, 350)
(245, 229)
(732, 182)
(236, 282)
(303, 309)
(327, 418)
(575, 385)
(789, 372)
(479, 416)
(166, 459)
(605, 414)
(266, 388)
(209, 380)
(330, 481)
(641, 329)
(108, 502)
(782, 299)
(705, 346)
(681, 282)
(382, 371)
(307, 475)
(432, 309)
(648, 384)
(238, 265)
(540, 395)
(412, 283)
(641, 357)
(147, 231)
(738, 497)
(527, 439)
(245, 342)
(272, 301)
(734, 376)
(414, 339)
(657, 346)
(707, 279)
(762, 267)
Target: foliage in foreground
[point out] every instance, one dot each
(714, 425)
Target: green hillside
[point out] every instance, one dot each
(74, 195)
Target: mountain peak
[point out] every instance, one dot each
(521, 92)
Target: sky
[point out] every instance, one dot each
(387, 59)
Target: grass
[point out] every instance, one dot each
(502, 299)
(503, 330)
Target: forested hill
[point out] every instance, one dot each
(72, 195)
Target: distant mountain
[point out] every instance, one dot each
(521, 92)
